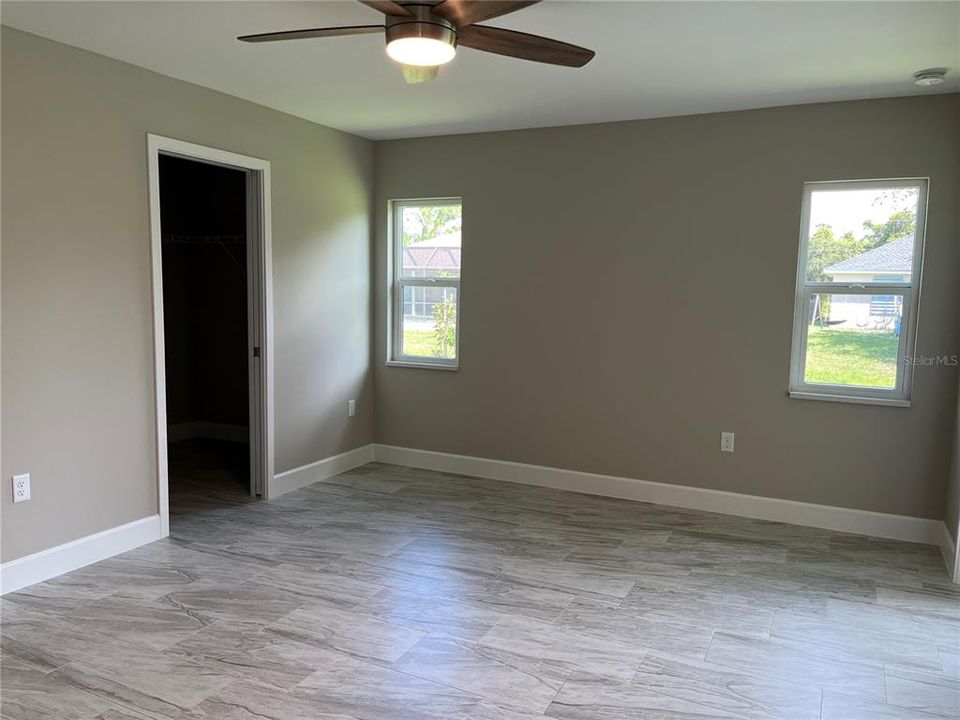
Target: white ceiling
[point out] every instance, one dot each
(654, 59)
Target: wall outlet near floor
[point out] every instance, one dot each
(351, 408)
(726, 442)
(21, 487)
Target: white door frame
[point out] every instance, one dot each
(258, 209)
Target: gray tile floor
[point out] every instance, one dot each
(392, 593)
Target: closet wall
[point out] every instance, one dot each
(203, 223)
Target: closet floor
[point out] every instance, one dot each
(206, 474)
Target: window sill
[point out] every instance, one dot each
(858, 400)
(421, 365)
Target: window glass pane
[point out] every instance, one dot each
(853, 340)
(862, 235)
(430, 238)
(429, 322)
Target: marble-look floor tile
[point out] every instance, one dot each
(583, 652)
(493, 711)
(460, 619)
(148, 622)
(569, 576)
(361, 691)
(894, 621)
(622, 625)
(355, 634)
(402, 594)
(920, 601)
(598, 699)
(923, 692)
(242, 648)
(242, 601)
(47, 643)
(838, 641)
(31, 695)
(742, 694)
(837, 706)
(512, 681)
(673, 603)
(781, 660)
(151, 682)
(125, 714)
(321, 587)
(950, 659)
(368, 482)
(249, 699)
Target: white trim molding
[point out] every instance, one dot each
(951, 556)
(158, 145)
(860, 522)
(75, 554)
(320, 470)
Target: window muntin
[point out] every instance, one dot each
(857, 284)
(426, 269)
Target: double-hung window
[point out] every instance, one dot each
(858, 281)
(425, 265)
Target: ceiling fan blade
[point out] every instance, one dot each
(312, 33)
(467, 12)
(416, 74)
(523, 45)
(387, 7)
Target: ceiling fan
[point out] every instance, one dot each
(423, 35)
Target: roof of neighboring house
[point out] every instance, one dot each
(441, 252)
(895, 256)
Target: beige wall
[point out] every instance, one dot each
(628, 293)
(645, 271)
(77, 364)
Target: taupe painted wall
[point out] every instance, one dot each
(77, 364)
(628, 293)
(646, 270)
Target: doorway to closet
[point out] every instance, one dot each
(210, 256)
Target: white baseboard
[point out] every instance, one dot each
(211, 430)
(949, 550)
(46, 564)
(860, 522)
(321, 470)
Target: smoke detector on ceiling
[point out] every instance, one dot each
(929, 77)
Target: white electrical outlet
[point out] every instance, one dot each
(21, 487)
(726, 442)
(351, 408)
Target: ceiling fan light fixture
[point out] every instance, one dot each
(421, 51)
(420, 38)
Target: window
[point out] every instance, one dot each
(858, 283)
(425, 267)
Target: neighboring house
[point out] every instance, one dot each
(890, 263)
(436, 257)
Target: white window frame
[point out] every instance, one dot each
(397, 282)
(898, 396)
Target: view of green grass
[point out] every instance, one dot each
(836, 356)
(851, 357)
(420, 343)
